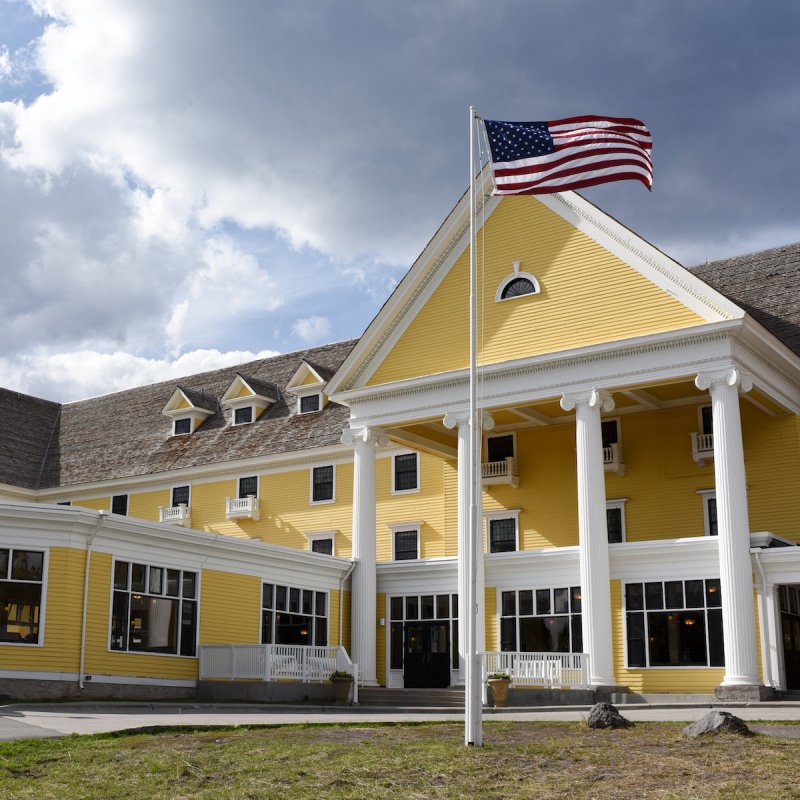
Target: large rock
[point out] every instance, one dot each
(716, 722)
(604, 715)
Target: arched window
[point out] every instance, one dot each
(517, 287)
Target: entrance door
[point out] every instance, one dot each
(426, 661)
(790, 629)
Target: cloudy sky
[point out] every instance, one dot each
(189, 183)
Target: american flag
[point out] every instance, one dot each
(547, 157)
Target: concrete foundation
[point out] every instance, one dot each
(546, 697)
(263, 692)
(21, 689)
(744, 694)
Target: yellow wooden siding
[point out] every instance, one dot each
(63, 594)
(380, 638)
(681, 680)
(450, 499)
(490, 614)
(309, 380)
(230, 608)
(145, 505)
(208, 510)
(244, 392)
(182, 403)
(96, 503)
(588, 296)
(345, 621)
(102, 661)
(333, 617)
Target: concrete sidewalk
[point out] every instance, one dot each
(62, 719)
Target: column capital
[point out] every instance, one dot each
(592, 398)
(453, 419)
(723, 377)
(373, 436)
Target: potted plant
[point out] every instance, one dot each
(342, 683)
(499, 683)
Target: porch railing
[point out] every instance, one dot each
(275, 662)
(702, 446)
(236, 507)
(178, 515)
(549, 670)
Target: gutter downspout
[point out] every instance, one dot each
(341, 598)
(764, 619)
(101, 515)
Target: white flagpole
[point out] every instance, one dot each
(472, 695)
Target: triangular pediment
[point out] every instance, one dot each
(305, 377)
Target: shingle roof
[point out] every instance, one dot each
(200, 399)
(766, 285)
(123, 435)
(27, 425)
(262, 388)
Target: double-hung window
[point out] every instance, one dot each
(322, 484)
(615, 520)
(154, 609)
(406, 545)
(21, 577)
(180, 496)
(243, 415)
(309, 403)
(248, 486)
(293, 616)
(406, 472)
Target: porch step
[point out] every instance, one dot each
(411, 698)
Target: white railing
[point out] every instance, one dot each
(275, 662)
(702, 446)
(178, 515)
(612, 459)
(236, 507)
(504, 471)
(549, 670)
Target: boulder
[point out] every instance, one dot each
(716, 722)
(604, 715)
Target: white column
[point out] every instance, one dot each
(593, 533)
(363, 586)
(733, 525)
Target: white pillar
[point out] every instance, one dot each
(363, 586)
(593, 533)
(733, 525)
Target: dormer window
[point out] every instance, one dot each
(309, 403)
(247, 398)
(188, 409)
(241, 416)
(182, 426)
(307, 384)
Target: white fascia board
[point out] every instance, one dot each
(689, 558)
(527, 569)
(296, 384)
(17, 492)
(781, 564)
(648, 260)
(653, 358)
(425, 576)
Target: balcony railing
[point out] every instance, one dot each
(612, 459)
(242, 507)
(702, 447)
(275, 662)
(504, 471)
(177, 515)
(549, 670)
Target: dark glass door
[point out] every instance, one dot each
(790, 625)
(426, 661)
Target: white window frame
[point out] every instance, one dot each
(239, 484)
(617, 421)
(311, 499)
(234, 423)
(419, 471)
(289, 586)
(706, 495)
(406, 527)
(178, 419)
(700, 428)
(506, 513)
(498, 295)
(43, 604)
(619, 503)
(488, 436)
(309, 394)
(188, 504)
(316, 536)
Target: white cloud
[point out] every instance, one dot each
(312, 330)
(5, 64)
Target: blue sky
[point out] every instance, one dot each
(187, 184)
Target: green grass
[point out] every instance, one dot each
(519, 760)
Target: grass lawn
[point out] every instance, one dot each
(519, 760)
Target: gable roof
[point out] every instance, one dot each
(765, 284)
(200, 399)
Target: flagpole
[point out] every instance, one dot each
(472, 694)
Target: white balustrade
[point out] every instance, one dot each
(549, 670)
(702, 446)
(503, 471)
(177, 515)
(238, 507)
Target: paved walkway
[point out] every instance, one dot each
(55, 719)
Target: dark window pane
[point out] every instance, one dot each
(248, 486)
(154, 625)
(188, 628)
(713, 593)
(412, 608)
(280, 598)
(138, 573)
(324, 546)
(396, 608)
(180, 496)
(502, 535)
(517, 288)
(308, 601)
(634, 597)
(654, 596)
(673, 591)
(173, 582)
(454, 598)
(442, 606)
(294, 601)
(526, 603)
(694, 594)
(242, 416)
(707, 419)
(119, 621)
(405, 472)
(610, 432)
(121, 575)
(27, 565)
(508, 634)
(499, 448)
(508, 604)
(266, 627)
(156, 583)
(543, 601)
(405, 545)
(321, 604)
(716, 647)
(561, 601)
(309, 403)
(677, 638)
(614, 525)
(19, 612)
(454, 646)
(396, 645)
(577, 633)
(323, 483)
(190, 584)
(711, 508)
(575, 599)
(292, 629)
(3, 564)
(266, 595)
(636, 649)
(119, 504)
(321, 632)
(183, 425)
(427, 606)
(544, 634)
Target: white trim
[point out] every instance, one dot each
(491, 516)
(45, 550)
(406, 527)
(248, 475)
(417, 488)
(317, 536)
(311, 499)
(314, 616)
(496, 435)
(706, 495)
(303, 395)
(179, 486)
(620, 504)
(498, 295)
(235, 409)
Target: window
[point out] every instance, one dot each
(709, 512)
(541, 620)
(406, 545)
(421, 607)
(615, 520)
(180, 496)
(706, 420)
(154, 609)
(499, 448)
(119, 504)
(182, 426)
(610, 432)
(309, 403)
(21, 576)
(322, 484)
(324, 546)
(503, 535)
(674, 624)
(293, 616)
(241, 416)
(248, 486)
(517, 287)
(405, 473)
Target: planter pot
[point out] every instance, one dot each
(499, 687)
(341, 690)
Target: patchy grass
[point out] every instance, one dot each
(519, 760)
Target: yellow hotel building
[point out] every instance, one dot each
(641, 455)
